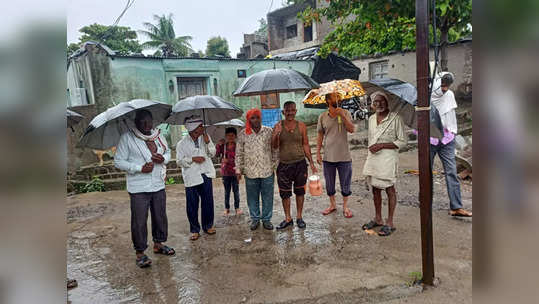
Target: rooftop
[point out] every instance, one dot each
(291, 9)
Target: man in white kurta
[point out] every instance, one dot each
(386, 137)
(193, 155)
(143, 153)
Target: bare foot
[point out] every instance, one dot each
(226, 212)
(239, 211)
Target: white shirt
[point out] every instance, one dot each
(192, 171)
(131, 154)
(446, 104)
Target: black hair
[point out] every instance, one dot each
(231, 130)
(140, 114)
(290, 102)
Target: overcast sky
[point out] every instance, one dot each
(201, 19)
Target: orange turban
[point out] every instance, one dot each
(248, 128)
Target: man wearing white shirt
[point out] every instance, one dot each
(193, 155)
(143, 153)
(444, 100)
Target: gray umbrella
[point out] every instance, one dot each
(73, 118)
(212, 109)
(217, 131)
(275, 81)
(402, 99)
(105, 129)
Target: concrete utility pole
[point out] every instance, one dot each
(423, 139)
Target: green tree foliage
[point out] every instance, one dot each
(217, 46)
(262, 28)
(365, 27)
(163, 37)
(72, 48)
(121, 39)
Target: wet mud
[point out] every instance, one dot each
(331, 261)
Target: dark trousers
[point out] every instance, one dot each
(345, 177)
(201, 194)
(231, 183)
(156, 203)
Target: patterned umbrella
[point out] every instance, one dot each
(345, 89)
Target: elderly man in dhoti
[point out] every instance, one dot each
(193, 155)
(386, 137)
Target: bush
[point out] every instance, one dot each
(95, 185)
(171, 181)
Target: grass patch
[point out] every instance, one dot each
(415, 278)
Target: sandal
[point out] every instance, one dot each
(460, 212)
(72, 283)
(348, 214)
(164, 249)
(194, 236)
(370, 225)
(329, 210)
(211, 231)
(144, 261)
(386, 230)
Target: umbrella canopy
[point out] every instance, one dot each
(275, 81)
(217, 131)
(105, 129)
(212, 109)
(402, 99)
(73, 118)
(345, 89)
(230, 123)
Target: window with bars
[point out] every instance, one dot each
(291, 31)
(378, 70)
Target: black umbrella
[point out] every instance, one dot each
(403, 99)
(275, 81)
(105, 129)
(212, 109)
(73, 118)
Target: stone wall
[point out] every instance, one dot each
(77, 157)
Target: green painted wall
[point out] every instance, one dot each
(157, 79)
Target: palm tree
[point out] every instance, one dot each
(162, 37)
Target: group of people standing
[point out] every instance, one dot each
(262, 154)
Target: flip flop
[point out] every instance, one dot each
(211, 231)
(194, 236)
(144, 261)
(329, 211)
(72, 283)
(370, 225)
(349, 212)
(164, 249)
(386, 230)
(460, 212)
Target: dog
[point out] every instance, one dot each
(99, 153)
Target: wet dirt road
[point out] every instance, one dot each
(331, 261)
